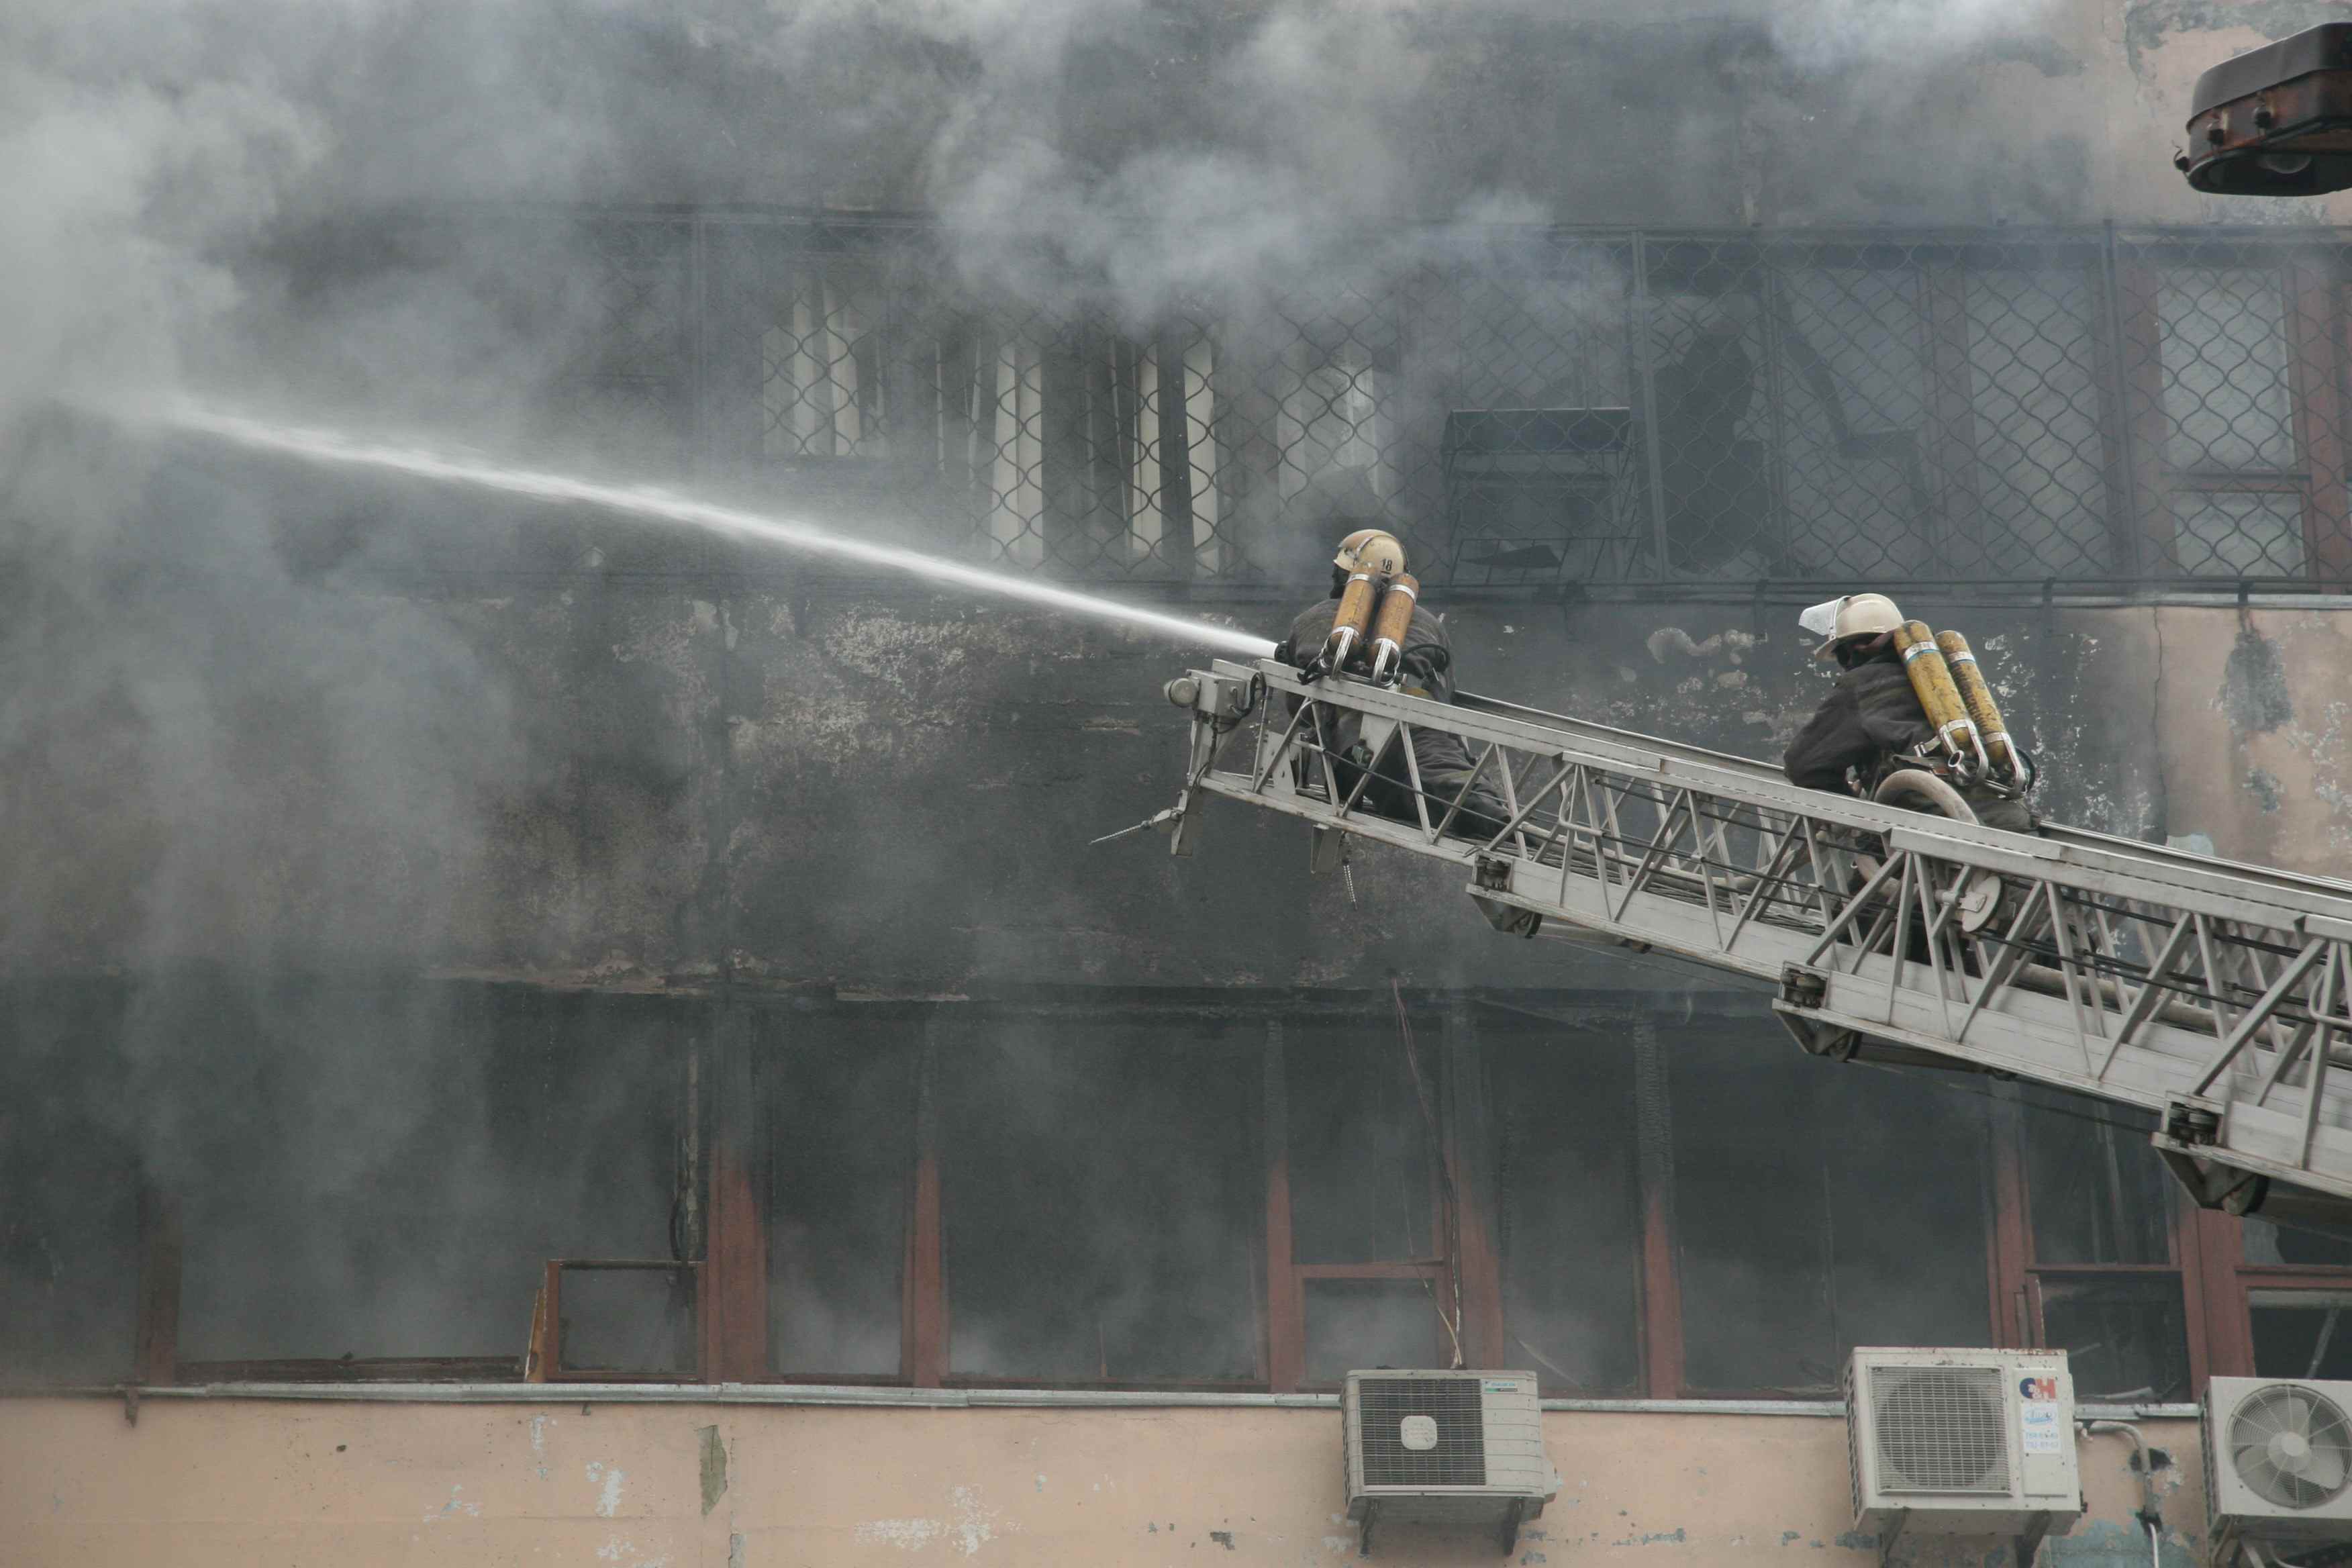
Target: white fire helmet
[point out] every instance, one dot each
(1370, 550)
(1855, 615)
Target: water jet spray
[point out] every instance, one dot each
(312, 444)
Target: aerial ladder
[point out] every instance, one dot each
(2216, 995)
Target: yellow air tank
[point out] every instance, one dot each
(1352, 620)
(1978, 695)
(1931, 680)
(1390, 624)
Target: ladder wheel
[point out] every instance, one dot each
(1914, 789)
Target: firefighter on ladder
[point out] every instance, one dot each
(1872, 722)
(1427, 670)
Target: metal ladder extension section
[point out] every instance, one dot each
(2216, 994)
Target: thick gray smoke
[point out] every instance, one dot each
(182, 180)
(226, 747)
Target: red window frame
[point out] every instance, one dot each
(2206, 1252)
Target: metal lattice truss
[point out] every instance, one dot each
(2216, 994)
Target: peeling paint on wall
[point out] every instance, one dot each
(906, 1534)
(606, 1480)
(2149, 23)
(972, 1527)
(457, 1504)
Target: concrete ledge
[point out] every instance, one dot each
(853, 1395)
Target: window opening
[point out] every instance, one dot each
(839, 1093)
(1568, 1223)
(1101, 1189)
(2103, 1283)
(1817, 1208)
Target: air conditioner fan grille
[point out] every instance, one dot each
(1939, 1429)
(1459, 1460)
(2290, 1446)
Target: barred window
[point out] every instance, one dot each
(2228, 442)
(1851, 344)
(1095, 455)
(1713, 381)
(822, 393)
(2034, 413)
(1172, 475)
(1543, 407)
(1008, 431)
(1333, 431)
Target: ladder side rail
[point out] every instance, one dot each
(1532, 729)
(2086, 838)
(2033, 1034)
(2168, 981)
(2121, 867)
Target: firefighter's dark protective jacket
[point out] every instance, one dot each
(1427, 660)
(1869, 719)
(1871, 713)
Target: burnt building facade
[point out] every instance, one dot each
(542, 1029)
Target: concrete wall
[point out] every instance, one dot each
(251, 1483)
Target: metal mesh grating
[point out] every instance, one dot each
(1454, 1403)
(1939, 1429)
(2162, 407)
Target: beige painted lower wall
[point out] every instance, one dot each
(260, 1484)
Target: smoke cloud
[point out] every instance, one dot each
(204, 189)
(232, 752)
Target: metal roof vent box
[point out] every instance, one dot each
(1450, 1449)
(1961, 1442)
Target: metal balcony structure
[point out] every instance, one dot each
(2214, 994)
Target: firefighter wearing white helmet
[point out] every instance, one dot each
(1427, 670)
(1872, 722)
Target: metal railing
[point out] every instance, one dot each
(2089, 409)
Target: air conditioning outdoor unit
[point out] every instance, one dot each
(1961, 1442)
(1457, 1448)
(2278, 1460)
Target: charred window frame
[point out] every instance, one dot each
(1816, 1207)
(1297, 1124)
(2086, 1246)
(1099, 1201)
(2231, 1298)
(2277, 1301)
(84, 1231)
(576, 1132)
(1358, 1112)
(2098, 1253)
(1332, 1087)
(1573, 1107)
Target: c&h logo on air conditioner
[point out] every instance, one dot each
(2038, 1387)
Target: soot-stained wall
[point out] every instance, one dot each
(656, 784)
